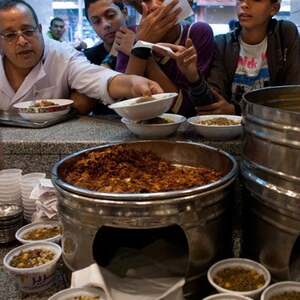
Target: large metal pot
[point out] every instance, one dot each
(200, 215)
(271, 170)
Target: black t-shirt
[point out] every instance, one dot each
(96, 55)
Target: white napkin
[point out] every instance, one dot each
(143, 44)
(117, 288)
(186, 10)
(44, 195)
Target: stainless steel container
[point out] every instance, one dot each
(11, 219)
(271, 170)
(196, 219)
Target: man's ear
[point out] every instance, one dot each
(125, 11)
(275, 9)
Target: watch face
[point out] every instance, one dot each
(141, 52)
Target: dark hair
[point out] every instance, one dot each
(56, 19)
(87, 4)
(6, 4)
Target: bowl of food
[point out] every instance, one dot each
(43, 109)
(33, 265)
(158, 127)
(285, 290)
(239, 276)
(226, 296)
(41, 231)
(84, 293)
(144, 108)
(217, 127)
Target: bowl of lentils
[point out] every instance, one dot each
(239, 276)
(285, 290)
(33, 265)
(83, 293)
(40, 231)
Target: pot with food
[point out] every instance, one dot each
(132, 194)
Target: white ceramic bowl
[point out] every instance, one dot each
(76, 292)
(27, 228)
(216, 132)
(38, 278)
(40, 114)
(155, 130)
(226, 296)
(238, 262)
(279, 288)
(134, 110)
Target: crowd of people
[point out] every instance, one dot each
(209, 74)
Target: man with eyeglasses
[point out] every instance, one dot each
(34, 68)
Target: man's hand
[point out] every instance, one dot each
(129, 86)
(124, 40)
(185, 57)
(155, 24)
(221, 106)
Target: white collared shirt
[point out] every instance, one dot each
(61, 69)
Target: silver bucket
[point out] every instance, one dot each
(198, 218)
(270, 167)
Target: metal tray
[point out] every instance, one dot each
(13, 119)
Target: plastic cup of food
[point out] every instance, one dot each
(30, 178)
(217, 127)
(282, 291)
(38, 232)
(86, 293)
(226, 296)
(239, 276)
(10, 172)
(33, 265)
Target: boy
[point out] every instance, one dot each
(159, 24)
(261, 52)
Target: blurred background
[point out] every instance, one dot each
(218, 13)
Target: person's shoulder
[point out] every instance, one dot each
(224, 36)
(94, 49)
(288, 26)
(61, 50)
(96, 54)
(200, 28)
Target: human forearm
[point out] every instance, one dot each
(154, 72)
(136, 66)
(127, 86)
(200, 93)
(82, 103)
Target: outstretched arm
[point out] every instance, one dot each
(128, 86)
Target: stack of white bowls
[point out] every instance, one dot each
(28, 182)
(10, 188)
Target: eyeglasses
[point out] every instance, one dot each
(14, 35)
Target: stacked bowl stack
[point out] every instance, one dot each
(10, 191)
(28, 182)
(11, 218)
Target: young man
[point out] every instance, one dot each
(159, 24)
(108, 19)
(31, 68)
(56, 29)
(261, 52)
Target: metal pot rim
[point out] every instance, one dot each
(142, 196)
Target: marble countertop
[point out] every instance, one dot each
(86, 132)
(37, 149)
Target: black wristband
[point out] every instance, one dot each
(141, 52)
(196, 83)
(237, 108)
